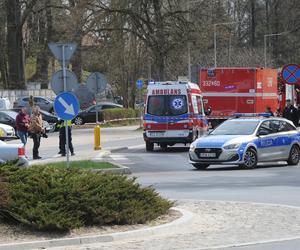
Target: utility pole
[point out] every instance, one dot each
(265, 43)
(215, 38)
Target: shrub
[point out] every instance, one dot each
(48, 198)
(119, 113)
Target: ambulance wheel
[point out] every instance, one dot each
(294, 157)
(163, 146)
(201, 166)
(250, 159)
(149, 146)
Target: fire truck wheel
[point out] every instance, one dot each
(201, 166)
(149, 146)
(163, 146)
(250, 159)
(294, 155)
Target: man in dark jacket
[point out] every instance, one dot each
(291, 113)
(22, 125)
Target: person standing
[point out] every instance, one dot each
(22, 125)
(269, 111)
(36, 129)
(62, 137)
(291, 113)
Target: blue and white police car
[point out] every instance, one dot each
(247, 141)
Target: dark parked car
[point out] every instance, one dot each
(44, 103)
(89, 115)
(8, 117)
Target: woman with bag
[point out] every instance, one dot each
(36, 129)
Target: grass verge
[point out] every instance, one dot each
(83, 165)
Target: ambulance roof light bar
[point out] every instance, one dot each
(170, 83)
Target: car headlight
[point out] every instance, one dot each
(232, 146)
(192, 147)
(2, 132)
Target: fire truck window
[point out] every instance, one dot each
(156, 105)
(177, 105)
(195, 104)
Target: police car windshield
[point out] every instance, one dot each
(167, 105)
(236, 127)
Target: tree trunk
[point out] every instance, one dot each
(253, 22)
(77, 61)
(43, 57)
(16, 78)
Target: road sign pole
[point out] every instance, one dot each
(65, 88)
(97, 116)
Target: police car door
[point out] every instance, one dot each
(266, 147)
(286, 134)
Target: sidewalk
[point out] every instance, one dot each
(211, 224)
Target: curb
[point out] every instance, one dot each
(156, 230)
(114, 150)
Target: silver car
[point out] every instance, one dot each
(11, 152)
(247, 141)
(44, 103)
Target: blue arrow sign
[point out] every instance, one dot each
(139, 84)
(66, 106)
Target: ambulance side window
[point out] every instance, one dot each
(195, 104)
(200, 105)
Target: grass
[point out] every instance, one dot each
(83, 165)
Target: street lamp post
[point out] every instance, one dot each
(215, 38)
(265, 43)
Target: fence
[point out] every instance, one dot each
(12, 95)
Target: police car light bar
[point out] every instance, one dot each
(237, 115)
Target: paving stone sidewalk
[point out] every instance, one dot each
(215, 224)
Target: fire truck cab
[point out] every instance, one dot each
(174, 113)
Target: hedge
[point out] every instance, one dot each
(47, 198)
(119, 113)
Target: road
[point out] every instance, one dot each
(170, 173)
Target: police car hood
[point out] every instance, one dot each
(218, 141)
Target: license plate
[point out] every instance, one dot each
(208, 155)
(156, 134)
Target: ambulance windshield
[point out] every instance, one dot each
(167, 105)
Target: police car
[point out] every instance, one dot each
(247, 141)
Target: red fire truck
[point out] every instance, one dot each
(238, 90)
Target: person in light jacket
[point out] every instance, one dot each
(36, 129)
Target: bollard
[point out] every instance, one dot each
(97, 137)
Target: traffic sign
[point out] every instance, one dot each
(57, 82)
(96, 82)
(63, 51)
(66, 106)
(139, 83)
(290, 74)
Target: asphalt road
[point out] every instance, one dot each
(170, 173)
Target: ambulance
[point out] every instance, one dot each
(174, 113)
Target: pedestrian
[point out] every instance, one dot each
(291, 113)
(62, 137)
(269, 111)
(22, 125)
(36, 129)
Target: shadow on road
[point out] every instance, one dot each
(171, 150)
(234, 168)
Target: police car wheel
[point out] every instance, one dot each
(201, 166)
(149, 146)
(78, 121)
(294, 156)
(250, 159)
